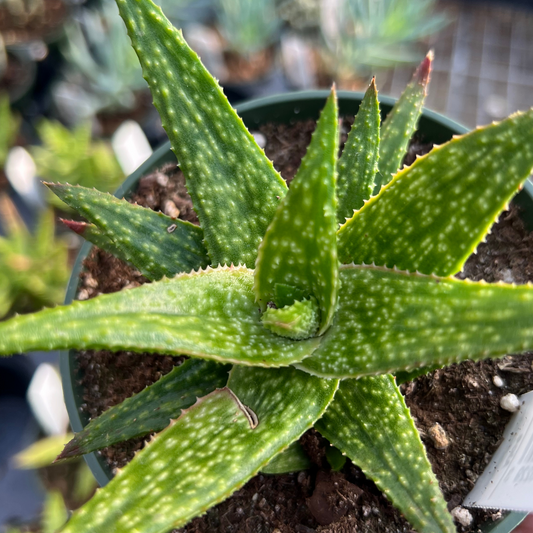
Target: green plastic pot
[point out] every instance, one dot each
(285, 108)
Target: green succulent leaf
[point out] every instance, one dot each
(389, 320)
(432, 216)
(299, 248)
(401, 122)
(234, 187)
(93, 234)
(151, 409)
(210, 314)
(369, 422)
(33, 267)
(287, 295)
(358, 163)
(335, 458)
(297, 321)
(293, 459)
(209, 452)
(154, 243)
(55, 512)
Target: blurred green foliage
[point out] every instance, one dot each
(362, 35)
(248, 26)
(33, 267)
(10, 124)
(71, 156)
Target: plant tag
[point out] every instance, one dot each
(507, 482)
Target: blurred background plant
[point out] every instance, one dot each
(365, 36)
(248, 26)
(101, 72)
(61, 495)
(73, 156)
(33, 266)
(9, 128)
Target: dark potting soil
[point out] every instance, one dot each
(462, 398)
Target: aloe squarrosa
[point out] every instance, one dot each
(290, 321)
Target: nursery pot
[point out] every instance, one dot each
(284, 108)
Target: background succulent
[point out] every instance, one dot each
(72, 155)
(426, 220)
(362, 35)
(33, 267)
(247, 26)
(101, 71)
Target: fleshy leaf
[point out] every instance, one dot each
(297, 321)
(369, 422)
(292, 459)
(335, 458)
(209, 315)
(91, 233)
(358, 164)
(208, 453)
(55, 512)
(151, 409)
(287, 295)
(234, 187)
(388, 320)
(299, 248)
(434, 213)
(154, 243)
(401, 122)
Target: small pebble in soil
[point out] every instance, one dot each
(438, 436)
(462, 516)
(510, 403)
(498, 381)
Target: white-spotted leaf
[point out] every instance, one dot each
(401, 122)
(358, 163)
(234, 187)
(151, 409)
(299, 248)
(208, 453)
(210, 315)
(388, 320)
(154, 243)
(433, 214)
(369, 422)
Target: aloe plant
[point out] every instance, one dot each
(72, 155)
(33, 267)
(310, 320)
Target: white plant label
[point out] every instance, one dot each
(507, 482)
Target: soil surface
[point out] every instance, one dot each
(462, 398)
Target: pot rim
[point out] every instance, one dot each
(309, 104)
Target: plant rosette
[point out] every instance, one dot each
(311, 319)
(282, 109)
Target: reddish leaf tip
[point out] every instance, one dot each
(424, 69)
(76, 227)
